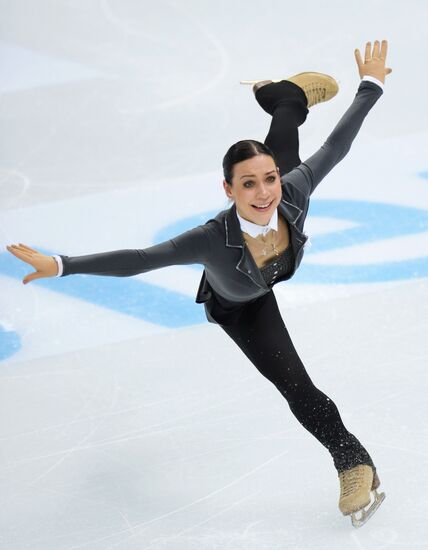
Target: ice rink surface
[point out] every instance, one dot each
(127, 421)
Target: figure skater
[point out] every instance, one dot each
(257, 243)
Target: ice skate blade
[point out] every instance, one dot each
(367, 514)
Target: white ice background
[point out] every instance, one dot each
(118, 432)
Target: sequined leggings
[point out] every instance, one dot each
(260, 331)
(262, 335)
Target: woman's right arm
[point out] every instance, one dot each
(190, 247)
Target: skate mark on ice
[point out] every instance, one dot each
(148, 430)
(206, 497)
(397, 448)
(371, 404)
(208, 83)
(207, 520)
(386, 536)
(76, 447)
(183, 397)
(139, 527)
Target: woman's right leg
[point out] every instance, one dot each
(262, 336)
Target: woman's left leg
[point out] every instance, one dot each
(262, 336)
(287, 103)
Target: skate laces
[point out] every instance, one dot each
(315, 93)
(351, 480)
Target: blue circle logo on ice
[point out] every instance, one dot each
(370, 223)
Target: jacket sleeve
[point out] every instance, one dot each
(190, 247)
(308, 175)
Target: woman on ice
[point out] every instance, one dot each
(257, 243)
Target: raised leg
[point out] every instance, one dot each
(287, 103)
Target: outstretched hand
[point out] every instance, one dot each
(374, 61)
(44, 265)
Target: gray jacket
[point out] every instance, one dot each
(230, 272)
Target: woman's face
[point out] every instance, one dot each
(256, 188)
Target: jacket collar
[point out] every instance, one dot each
(232, 226)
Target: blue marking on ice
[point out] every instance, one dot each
(131, 296)
(367, 273)
(10, 343)
(376, 221)
(127, 295)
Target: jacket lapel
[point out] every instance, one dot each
(232, 226)
(234, 239)
(290, 211)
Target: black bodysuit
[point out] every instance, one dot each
(282, 265)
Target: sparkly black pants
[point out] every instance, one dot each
(260, 331)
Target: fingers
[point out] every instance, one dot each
(384, 49)
(30, 277)
(22, 248)
(368, 52)
(376, 49)
(45, 266)
(19, 253)
(28, 248)
(374, 60)
(358, 58)
(25, 256)
(379, 51)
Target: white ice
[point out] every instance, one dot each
(118, 432)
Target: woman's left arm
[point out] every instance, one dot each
(309, 174)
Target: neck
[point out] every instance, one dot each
(252, 221)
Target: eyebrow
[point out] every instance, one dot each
(251, 175)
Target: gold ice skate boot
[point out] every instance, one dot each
(318, 87)
(358, 494)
